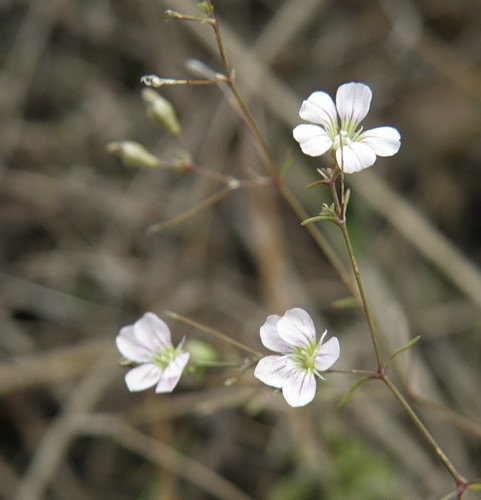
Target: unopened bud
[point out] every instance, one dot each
(203, 6)
(200, 352)
(133, 154)
(160, 111)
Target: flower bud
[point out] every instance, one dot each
(200, 352)
(160, 111)
(133, 154)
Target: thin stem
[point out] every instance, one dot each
(331, 255)
(446, 414)
(354, 371)
(320, 240)
(220, 41)
(365, 304)
(229, 180)
(214, 333)
(343, 193)
(292, 201)
(251, 123)
(208, 202)
(362, 292)
(253, 129)
(460, 480)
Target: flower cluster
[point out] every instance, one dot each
(147, 343)
(336, 128)
(301, 357)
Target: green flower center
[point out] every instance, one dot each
(305, 357)
(163, 358)
(346, 137)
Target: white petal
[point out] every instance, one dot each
(297, 328)
(152, 332)
(181, 360)
(319, 108)
(384, 141)
(300, 388)
(327, 354)
(129, 346)
(314, 140)
(353, 101)
(270, 336)
(272, 370)
(170, 377)
(142, 377)
(356, 157)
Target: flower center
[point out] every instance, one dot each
(163, 358)
(304, 357)
(341, 139)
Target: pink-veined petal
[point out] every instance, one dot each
(270, 336)
(297, 328)
(327, 354)
(355, 157)
(300, 388)
(170, 377)
(353, 101)
(273, 370)
(152, 332)
(129, 346)
(319, 108)
(384, 141)
(313, 139)
(142, 377)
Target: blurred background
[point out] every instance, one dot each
(78, 261)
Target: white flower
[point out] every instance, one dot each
(335, 127)
(301, 357)
(147, 342)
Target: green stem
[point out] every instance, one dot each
(219, 40)
(252, 126)
(340, 207)
(331, 255)
(291, 200)
(251, 123)
(362, 292)
(320, 240)
(460, 480)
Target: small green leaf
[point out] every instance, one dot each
(405, 347)
(350, 392)
(317, 218)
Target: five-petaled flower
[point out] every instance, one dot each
(301, 357)
(147, 342)
(335, 128)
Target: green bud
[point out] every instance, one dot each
(133, 154)
(200, 352)
(203, 7)
(174, 14)
(160, 111)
